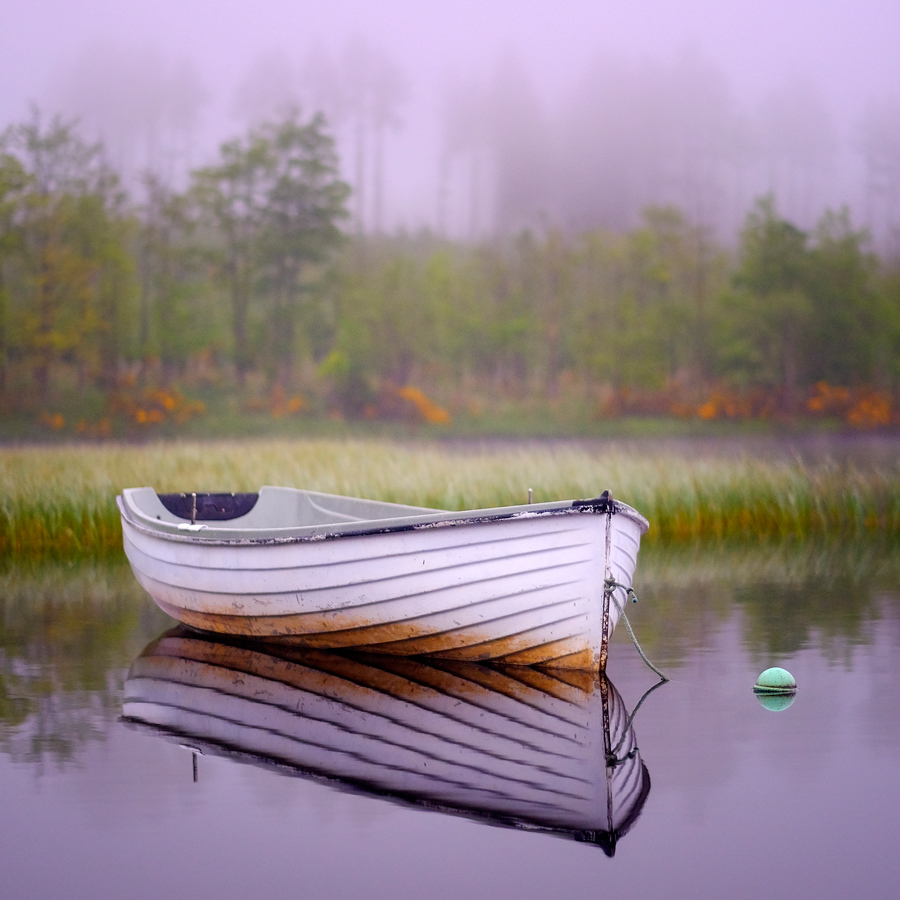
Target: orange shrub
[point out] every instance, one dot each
(277, 404)
(56, 421)
(828, 400)
(687, 402)
(406, 403)
(430, 412)
(871, 411)
(863, 408)
(154, 406)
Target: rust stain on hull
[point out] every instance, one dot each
(399, 638)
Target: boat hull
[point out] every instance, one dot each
(527, 589)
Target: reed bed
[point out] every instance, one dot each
(61, 500)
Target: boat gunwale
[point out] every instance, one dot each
(425, 522)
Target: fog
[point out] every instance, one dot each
(473, 118)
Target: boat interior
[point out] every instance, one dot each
(271, 507)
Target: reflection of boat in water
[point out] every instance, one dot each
(518, 747)
(525, 585)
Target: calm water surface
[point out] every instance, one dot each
(417, 769)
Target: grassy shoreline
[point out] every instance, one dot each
(60, 500)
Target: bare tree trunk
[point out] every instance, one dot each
(360, 162)
(378, 186)
(239, 303)
(789, 372)
(3, 307)
(474, 194)
(443, 176)
(45, 327)
(146, 270)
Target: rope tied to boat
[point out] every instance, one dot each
(612, 759)
(610, 584)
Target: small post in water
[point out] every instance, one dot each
(530, 496)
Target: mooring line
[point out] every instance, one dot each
(611, 585)
(612, 758)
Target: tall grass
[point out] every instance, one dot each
(61, 500)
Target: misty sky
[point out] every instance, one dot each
(840, 54)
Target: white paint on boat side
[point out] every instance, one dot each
(527, 588)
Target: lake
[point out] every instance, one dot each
(352, 776)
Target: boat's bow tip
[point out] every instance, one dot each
(603, 839)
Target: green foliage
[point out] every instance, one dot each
(245, 281)
(13, 180)
(804, 312)
(849, 328)
(516, 317)
(179, 309)
(773, 308)
(273, 204)
(66, 267)
(885, 345)
(666, 275)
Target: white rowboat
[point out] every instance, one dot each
(526, 585)
(511, 746)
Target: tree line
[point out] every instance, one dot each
(248, 267)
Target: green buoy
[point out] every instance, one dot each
(776, 702)
(775, 681)
(775, 689)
